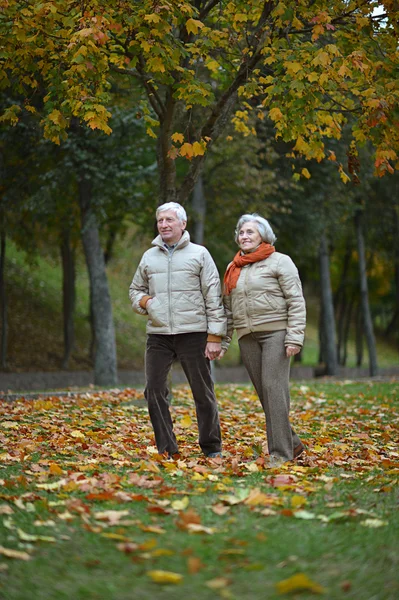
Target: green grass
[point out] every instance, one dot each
(347, 487)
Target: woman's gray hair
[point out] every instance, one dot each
(266, 232)
(177, 208)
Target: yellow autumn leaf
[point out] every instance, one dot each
(193, 26)
(321, 58)
(198, 149)
(186, 421)
(178, 138)
(151, 132)
(27, 537)
(275, 114)
(14, 553)
(187, 150)
(298, 583)
(293, 67)
(145, 46)
(77, 434)
(180, 504)
(55, 469)
(52, 486)
(155, 64)
(152, 18)
(212, 65)
(56, 117)
(165, 576)
(306, 173)
(297, 501)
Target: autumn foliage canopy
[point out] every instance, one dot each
(308, 66)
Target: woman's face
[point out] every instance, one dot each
(249, 237)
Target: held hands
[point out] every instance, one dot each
(292, 350)
(213, 350)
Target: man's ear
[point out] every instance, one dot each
(183, 225)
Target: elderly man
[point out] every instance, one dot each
(177, 285)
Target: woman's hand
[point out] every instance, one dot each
(292, 350)
(212, 350)
(222, 353)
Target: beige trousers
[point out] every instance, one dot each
(264, 357)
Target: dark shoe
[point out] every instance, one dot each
(298, 450)
(214, 455)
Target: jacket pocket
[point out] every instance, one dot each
(195, 302)
(156, 313)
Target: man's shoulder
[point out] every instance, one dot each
(151, 251)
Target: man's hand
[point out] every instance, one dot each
(292, 350)
(212, 350)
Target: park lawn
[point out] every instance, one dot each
(90, 511)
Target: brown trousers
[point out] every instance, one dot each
(189, 349)
(263, 354)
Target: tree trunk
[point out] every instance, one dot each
(105, 364)
(341, 304)
(3, 300)
(68, 295)
(330, 348)
(321, 334)
(346, 329)
(92, 345)
(364, 298)
(359, 338)
(199, 211)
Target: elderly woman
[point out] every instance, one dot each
(265, 305)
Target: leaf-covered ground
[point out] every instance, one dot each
(90, 511)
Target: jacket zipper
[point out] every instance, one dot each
(169, 290)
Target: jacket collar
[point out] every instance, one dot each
(184, 241)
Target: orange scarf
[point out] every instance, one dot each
(234, 269)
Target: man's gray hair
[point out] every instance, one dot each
(177, 208)
(266, 232)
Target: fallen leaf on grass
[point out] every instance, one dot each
(165, 576)
(298, 583)
(197, 528)
(194, 564)
(180, 504)
(304, 514)
(186, 422)
(27, 537)
(218, 583)
(152, 529)
(6, 510)
(50, 487)
(220, 509)
(14, 553)
(112, 516)
(373, 523)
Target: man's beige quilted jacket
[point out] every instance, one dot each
(185, 287)
(268, 297)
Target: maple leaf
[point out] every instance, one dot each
(193, 26)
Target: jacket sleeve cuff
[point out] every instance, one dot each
(214, 338)
(144, 301)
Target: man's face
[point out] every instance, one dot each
(169, 227)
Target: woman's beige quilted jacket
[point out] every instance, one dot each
(268, 297)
